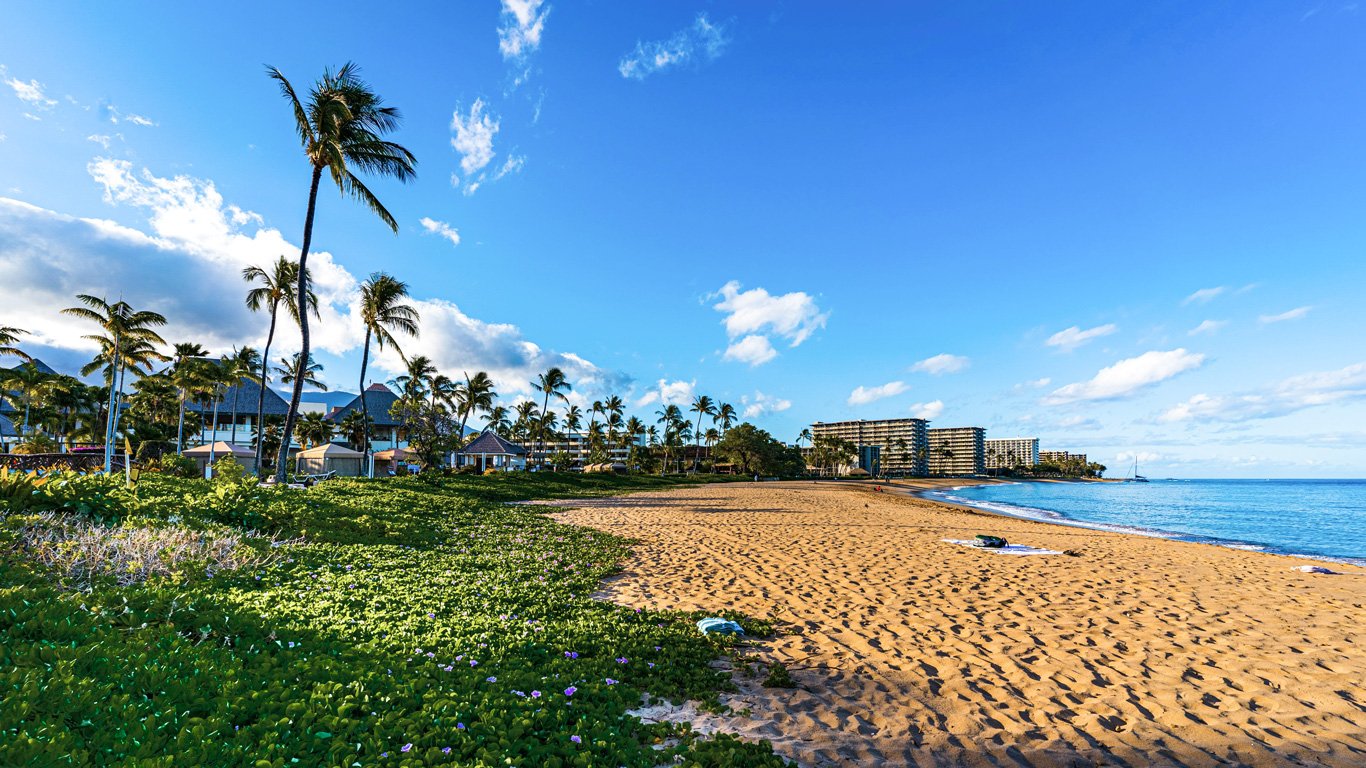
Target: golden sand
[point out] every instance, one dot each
(1128, 651)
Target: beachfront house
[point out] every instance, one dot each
(386, 432)
(489, 451)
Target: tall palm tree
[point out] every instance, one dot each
(573, 419)
(272, 289)
(805, 434)
(476, 394)
(614, 409)
(497, 420)
(289, 372)
(341, 127)
(725, 416)
(127, 341)
(702, 406)
(552, 382)
(526, 415)
(183, 360)
(314, 430)
(9, 336)
(669, 418)
(353, 427)
(383, 313)
(217, 378)
(414, 384)
(31, 384)
(241, 366)
(592, 420)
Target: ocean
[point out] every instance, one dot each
(1323, 519)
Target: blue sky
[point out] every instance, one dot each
(1123, 230)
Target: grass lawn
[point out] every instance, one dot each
(401, 622)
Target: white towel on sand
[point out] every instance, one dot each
(1009, 549)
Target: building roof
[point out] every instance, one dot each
(490, 443)
(378, 400)
(7, 427)
(221, 448)
(330, 451)
(246, 393)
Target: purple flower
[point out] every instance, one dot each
(384, 754)
(459, 726)
(571, 655)
(610, 681)
(650, 664)
(576, 739)
(570, 691)
(473, 663)
(445, 750)
(622, 660)
(535, 694)
(431, 615)
(490, 679)
(406, 747)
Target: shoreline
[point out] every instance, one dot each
(912, 651)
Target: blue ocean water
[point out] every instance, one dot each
(1318, 518)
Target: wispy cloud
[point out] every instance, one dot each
(520, 27)
(1208, 326)
(762, 405)
(31, 93)
(941, 364)
(667, 392)
(101, 139)
(700, 41)
(1204, 295)
(473, 140)
(1035, 383)
(1069, 339)
(1283, 398)
(927, 411)
(441, 228)
(753, 316)
(1128, 377)
(865, 395)
(1293, 314)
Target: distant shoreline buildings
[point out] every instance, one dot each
(908, 447)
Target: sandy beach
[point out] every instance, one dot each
(1125, 651)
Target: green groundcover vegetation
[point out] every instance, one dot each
(401, 622)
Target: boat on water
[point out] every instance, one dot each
(1136, 478)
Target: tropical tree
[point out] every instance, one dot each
(315, 430)
(805, 434)
(354, 427)
(32, 384)
(593, 412)
(184, 362)
(240, 366)
(383, 312)
(670, 417)
(702, 406)
(725, 416)
(550, 383)
(341, 127)
(414, 383)
(497, 420)
(476, 394)
(272, 289)
(613, 408)
(290, 372)
(127, 341)
(9, 336)
(573, 419)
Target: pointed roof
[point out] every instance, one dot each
(330, 451)
(221, 448)
(492, 444)
(7, 428)
(378, 400)
(245, 393)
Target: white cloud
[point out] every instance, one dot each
(753, 349)
(1204, 295)
(1144, 457)
(1078, 423)
(667, 392)
(755, 315)
(196, 242)
(865, 395)
(101, 139)
(473, 139)
(1283, 398)
(1071, 338)
(1128, 376)
(701, 40)
(762, 405)
(31, 93)
(1208, 326)
(1293, 314)
(1035, 383)
(941, 364)
(441, 228)
(520, 27)
(927, 411)
(139, 120)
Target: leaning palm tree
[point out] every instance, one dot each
(497, 420)
(725, 416)
(272, 289)
(127, 341)
(383, 313)
(183, 364)
(552, 382)
(8, 338)
(805, 434)
(702, 406)
(241, 366)
(415, 382)
(476, 394)
(340, 127)
(573, 419)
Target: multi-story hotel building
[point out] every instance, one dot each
(1011, 452)
(1061, 458)
(902, 445)
(958, 451)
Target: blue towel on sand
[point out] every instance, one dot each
(720, 626)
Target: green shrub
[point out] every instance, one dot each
(176, 465)
(228, 470)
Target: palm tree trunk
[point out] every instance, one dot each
(212, 440)
(114, 429)
(261, 394)
(236, 390)
(180, 425)
(365, 407)
(540, 439)
(109, 420)
(697, 444)
(293, 413)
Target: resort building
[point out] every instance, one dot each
(901, 446)
(385, 431)
(489, 451)
(1061, 458)
(1012, 452)
(958, 451)
(576, 447)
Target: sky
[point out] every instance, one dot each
(1134, 232)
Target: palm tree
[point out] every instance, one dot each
(354, 427)
(552, 382)
(573, 419)
(669, 418)
(31, 383)
(315, 430)
(726, 416)
(341, 127)
(702, 406)
(634, 429)
(217, 378)
(413, 385)
(383, 313)
(614, 409)
(526, 415)
(476, 394)
(9, 336)
(275, 287)
(126, 342)
(592, 420)
(497, 420)
(182, 372)
(241, 366)
(289, 372)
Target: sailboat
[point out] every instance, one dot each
(1136, 478)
